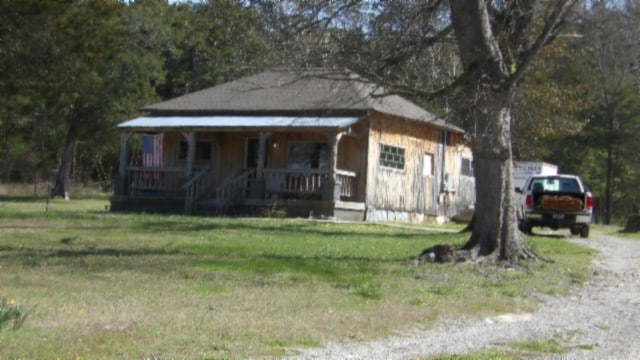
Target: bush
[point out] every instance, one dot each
(11, 315)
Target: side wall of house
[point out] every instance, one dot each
(430, 182)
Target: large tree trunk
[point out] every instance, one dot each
(486, 108)
(495, 235)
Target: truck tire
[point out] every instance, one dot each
(575, 229)
(584, 231)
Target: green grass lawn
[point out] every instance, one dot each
(100, 285)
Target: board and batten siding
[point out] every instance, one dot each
(410, 194)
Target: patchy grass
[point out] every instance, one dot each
(484, 355)
(529, 349)
(104, 285)
(626, 235)
(12, 316)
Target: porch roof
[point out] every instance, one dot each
(238, 122)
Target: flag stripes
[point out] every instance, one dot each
(152, 152)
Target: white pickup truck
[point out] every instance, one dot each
(555, 201)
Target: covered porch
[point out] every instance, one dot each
(240, 170)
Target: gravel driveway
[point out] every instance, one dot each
(600, 321)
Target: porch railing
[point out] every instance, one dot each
(294, 181)
(155, 179)
(197, 187)
(348, 179)
(307, 181)
(233, 188)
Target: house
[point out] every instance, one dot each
(311, 143)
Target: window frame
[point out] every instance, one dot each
(431, 162)
(467, 169)
(320, 145)
(392, 157)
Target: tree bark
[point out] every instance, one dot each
(63, 179)
(495, 235)
(486, 107)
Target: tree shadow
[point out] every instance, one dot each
(550, 235)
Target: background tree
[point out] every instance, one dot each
(613, 119)
(211, 42)
(92, 72)
(71, 70)
(604, 64)
(26, 130)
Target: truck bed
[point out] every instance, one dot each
(559, 201)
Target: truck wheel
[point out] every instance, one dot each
(584, 231)
(575, 230)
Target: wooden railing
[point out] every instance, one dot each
(307, 181)
(172, 182)
(348, 179)
(294, 181)
(233, 189)
(198, 186)
(155, 179)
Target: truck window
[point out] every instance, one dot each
(555, 184)
(569, 185)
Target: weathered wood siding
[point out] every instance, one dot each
(409, 194)
(227, 152)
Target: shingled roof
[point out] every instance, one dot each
(298, 93)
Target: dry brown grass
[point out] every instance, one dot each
(42, 190)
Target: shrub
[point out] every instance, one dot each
(11, 315)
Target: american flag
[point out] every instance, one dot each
(152, 150)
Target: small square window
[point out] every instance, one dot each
(466, 168)
(391, 157)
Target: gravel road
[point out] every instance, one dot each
(599, 321)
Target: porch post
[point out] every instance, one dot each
(262, 142)
(191, 151)
(121, 183)
(257, 186)
(333, 188)
(124, 150)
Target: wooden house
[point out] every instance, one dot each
(311, 143)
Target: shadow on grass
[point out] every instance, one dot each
(550, 236)
(357, 275)
(23, 198)
(16, 252)
(241, 224)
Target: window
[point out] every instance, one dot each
(427, 164)
(555, 184)
(307, 155)
(391, 157)
(467, 167)
(203, 150)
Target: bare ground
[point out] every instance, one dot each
(599, 321)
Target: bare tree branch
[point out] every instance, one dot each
(552, 24)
